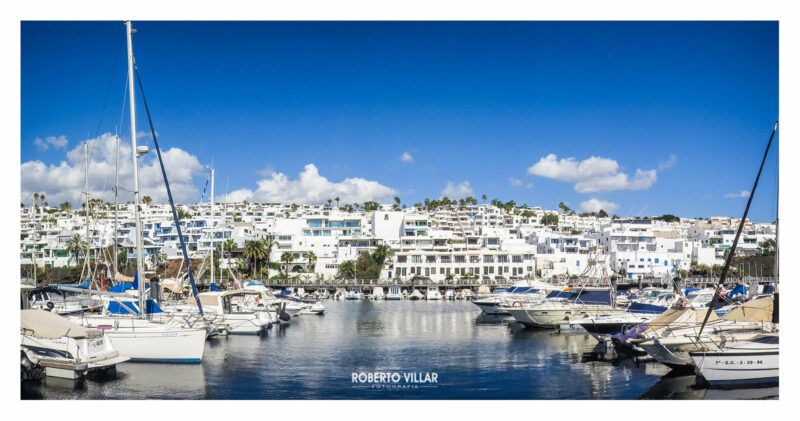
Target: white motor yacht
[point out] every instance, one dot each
(63, 348)
(394, 293)
(377, 293)
(433, 294)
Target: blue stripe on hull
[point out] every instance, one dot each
(765, 380)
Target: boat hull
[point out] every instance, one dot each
(733, 369)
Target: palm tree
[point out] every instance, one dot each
(146, 200)
(36, 201)
(483, 197)
(312, 258)
(347, 269)
(287, 257)
(269, 244)
(381, 253)
(337, 201)
(76, 246)
(254, 249)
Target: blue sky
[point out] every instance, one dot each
(690, 105)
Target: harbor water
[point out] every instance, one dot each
(448, 349)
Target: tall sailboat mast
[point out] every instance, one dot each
(86, 213)
(116, 192)
(135, 152)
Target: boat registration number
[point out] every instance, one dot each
(739, 362)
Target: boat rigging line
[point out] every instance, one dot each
(736, 238)
(169, 191)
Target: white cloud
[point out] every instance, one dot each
(593, 174)
(529, 185)
(459, 191)
(65, 181)
(516, 182)
(312, 188)
(741, 195)
(406, 157)
(56, 142)
(663, 165)
(595, 205)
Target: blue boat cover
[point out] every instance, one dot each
(559, 294)
(254, 283)
(121, 287)
(769, 289)
(646, 308)
(213, 287)
(688, 290)
(740, 289)
(131, 307)
(286, 292)
(594, 297)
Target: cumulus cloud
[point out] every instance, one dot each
(663, 165)
(312, 188)
(741, 195)
(516, 182)
(457, 191)
(595, 205)
(529, 185)
(56, 142)
(65, 181)
(593, 174)
(406, 157)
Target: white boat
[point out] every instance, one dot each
(416, 295)
(433, 294)
(64, 349)
(557, 310)
(747, 320)
(354, 294)
(450, 294)
(146, 340)
(377, 293)
(394, 293)
(520, 294)
(752, 361)
(54, 300)
(238, 311)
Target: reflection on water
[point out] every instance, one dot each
(475, 356)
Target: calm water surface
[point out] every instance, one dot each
(314, 357)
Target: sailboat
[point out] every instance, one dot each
(131, 329)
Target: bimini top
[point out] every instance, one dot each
(43, 324)
(758, 310)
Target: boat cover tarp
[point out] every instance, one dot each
(769, 289)
(646, 308)
(254, 283)
(44, 324)
(120, 287)
(677, 318)
(688, 290)
(131, 307)
(631, 333)
(559, 294)
(213, 287)
(758, 310)
(594, 298)
(740, 289)
(416, 294)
